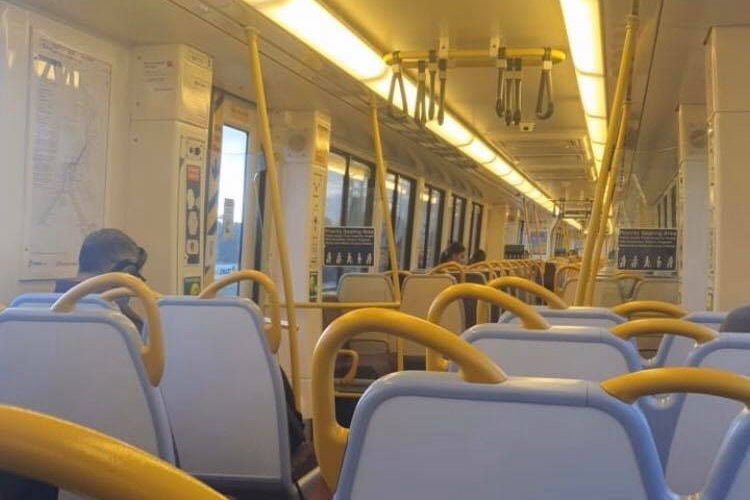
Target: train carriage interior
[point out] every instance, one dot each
(425, 249)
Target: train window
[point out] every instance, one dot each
(674, 205)
(475, 230)
(234, 146)
(458, 219)
(658, 210)
(400, 194)
(349, 195)
(432, 200)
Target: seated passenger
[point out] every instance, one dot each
(456, 252)
(105, 251)
(478, 256)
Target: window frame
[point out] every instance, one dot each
(441, 210)
(462, 219)
(475, 230)
(397, 176)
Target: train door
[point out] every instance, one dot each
(235, 193)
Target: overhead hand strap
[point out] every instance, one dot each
(152, 353)
(529, 317)
(88, 462)
(443, 73)
(627, 309)
(710, 381)
(552, 300)
(420, 106)
(502, 65)
(518, 109)
(545, 88)
(397, 78)
(639, 327)
(273, 330)
(432, 67)
(329, 437)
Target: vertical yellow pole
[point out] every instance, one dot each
(608, 198)
(276, 212)
(589, 259)
(389, 236)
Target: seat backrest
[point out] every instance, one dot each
(470, 305)
(47, 299)
(607, 293)
(702, 421)
(572, 316)
(711, 319)
(366, 287)
(416, 297)
(730, 476)
(562, 352)
(223, 391)
(523, 438)
(84, 366)
(569, 290)
(665, 290)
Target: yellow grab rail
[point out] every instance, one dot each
(636, 328)
(348, 378)
(329, 437)
(122, 292)
(631, 386)
(624, 78)
(152, 353)
(481, 293)
(449, 266)
(552, 300)
(649, 306)
(88, 462)
(277, 214)
(273, 330)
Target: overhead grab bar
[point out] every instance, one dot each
(545, 88)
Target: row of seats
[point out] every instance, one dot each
(611, 291)
(203, 391)
(484, 431)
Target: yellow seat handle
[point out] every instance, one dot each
(649, 306)
(121, 293)
(710, 381)
(530, 319)
(348, 378)
(87, 462)
(447, 267)
(152, 352)
(273, 330)
(329, 437)
(552, 300)
(639, 327)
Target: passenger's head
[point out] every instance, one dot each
(110, 250)
(478, 256)
(456, 252)
(737, 321)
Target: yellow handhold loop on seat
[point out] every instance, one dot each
(649, 306)
(636, 328)
(552, 300)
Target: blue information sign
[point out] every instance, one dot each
(647, 249)
(348, 246)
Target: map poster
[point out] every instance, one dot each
(66, 156)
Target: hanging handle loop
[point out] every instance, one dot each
(545, 88)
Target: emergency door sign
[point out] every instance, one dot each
(348, 246)
(647, 249)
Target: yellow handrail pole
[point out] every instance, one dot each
(389, 236)
(276, 213)
(609, 194)
(601, 183)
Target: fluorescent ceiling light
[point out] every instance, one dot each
(513, 178)
(591, 88)
(525, 187)
(479, 151)
(597, 129)
(452, 131)
(583, 24)
(597, 150)
(313, 24)
(574, 223)
(499, 167)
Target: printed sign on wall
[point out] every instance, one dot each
(348, 246)
(647, 249)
